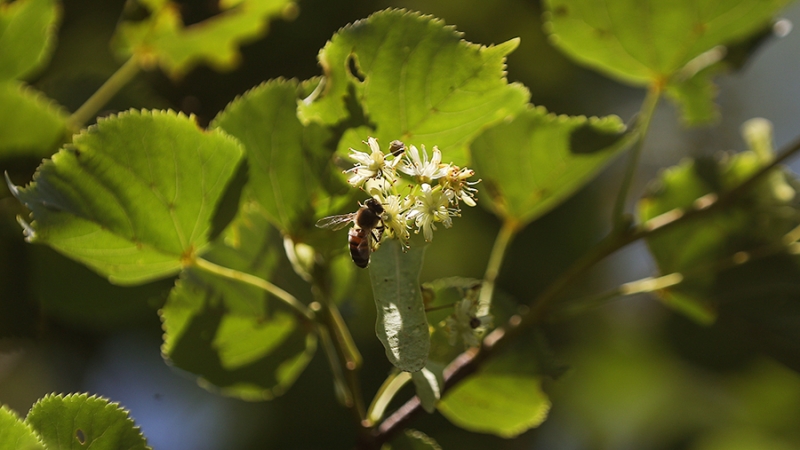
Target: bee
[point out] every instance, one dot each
(367, 226)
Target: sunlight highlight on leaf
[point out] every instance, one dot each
(133, 196)
(417, 81)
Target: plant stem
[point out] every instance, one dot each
(504, 237)
(260, 283)
(642, 125)
(343, 354)
(469, 361)
(390, 387)
(106, 92)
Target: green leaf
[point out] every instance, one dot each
(694, 249)
(30, 123)
(696, 97)
(16, 434)
(133, 196)
(231, 334)
(163, 39)
(504, 398)
(528, 166)
(402, 325)
(78, 421)
(645, 41)
(657, 43)
(416, 80)
(284, 157)
(414, 440)
(27, 35)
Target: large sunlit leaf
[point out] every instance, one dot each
(133, 196)
(504, 398)
(164, 39)
(284, 157)
(644, 41)
(532, 164)
(78, 421)
(653, 42)
(27, 35)
(699, 249)
(237, 338)
(416, 80)
(402, 325)
(30, 124)
(16, 434)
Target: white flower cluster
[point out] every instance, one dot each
(434, 197)
(464, 323)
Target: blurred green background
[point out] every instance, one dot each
(640, 377)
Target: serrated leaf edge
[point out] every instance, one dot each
(24, 424)
(85, 397)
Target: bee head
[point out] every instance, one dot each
(374, 206)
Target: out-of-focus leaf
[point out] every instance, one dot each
(285, 158)
(133, 196)
(71, 294)
(163, 39)
(27, 35)
(233, 335)
(760, 219)
(760, 301)
(646, 41)
(30, 124)
(78, 421)
(657, 43)
(416, 81)
(402, 325)
(696, 97)
(528, 167)
(504, 398)
(414, 440)
(16, 434)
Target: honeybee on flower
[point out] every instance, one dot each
(432, 196)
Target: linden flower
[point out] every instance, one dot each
(425, 171)
(464, 323)
(394, 217)
(371, 165)
(456, 186)
(430, 207)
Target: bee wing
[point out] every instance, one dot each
(335, 222)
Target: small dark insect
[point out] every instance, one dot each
(367, 227)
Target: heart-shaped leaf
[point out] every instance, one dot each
(231, 334)
(133, 196)
(416, 80)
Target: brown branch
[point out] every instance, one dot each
(469, 361)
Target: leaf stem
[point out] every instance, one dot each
(104, 94)
(642, 125)
(390, 387)
(253, 280)
(343, 355)
(504, 237)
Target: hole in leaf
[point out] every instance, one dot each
(80, 436)
(352, 67)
